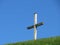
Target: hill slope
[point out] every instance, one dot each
(44, 41)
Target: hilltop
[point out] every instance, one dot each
(44, 41)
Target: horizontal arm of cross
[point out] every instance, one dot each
(39, 24)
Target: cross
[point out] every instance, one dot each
(35, 26)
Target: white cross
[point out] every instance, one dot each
(35, 26)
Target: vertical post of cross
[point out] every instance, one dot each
(35, 28)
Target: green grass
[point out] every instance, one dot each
(44, 41)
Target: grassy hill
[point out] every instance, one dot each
(44, 41)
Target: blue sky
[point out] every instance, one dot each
(16, 15)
